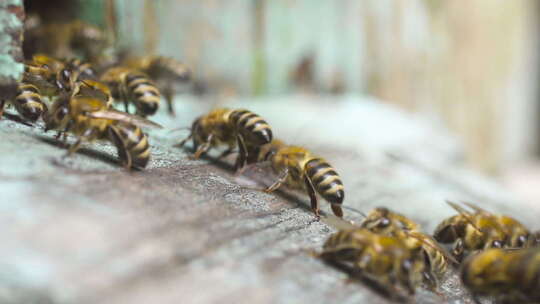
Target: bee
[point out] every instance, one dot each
(517, 234)
(84, 69)
(165, 71)
(299, 168)
(511, 275)
(49, 74)
(534, 239)
(385, 222)
(27, 102)
(66, 40)
(470, 232)
(41, 77)
(384, 258)
(230, 128)
(130, 85)
(91, 119)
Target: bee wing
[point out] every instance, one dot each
(429, 241)
(125, 117)
(466, 214)
(457, 207)
(476, 208)
(339, 223)
(93, 92)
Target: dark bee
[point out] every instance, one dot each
(230, 128)
(66, 40)
(509, 275)
(383, 258)
(27, 102)
(130, 85)
(165, 71)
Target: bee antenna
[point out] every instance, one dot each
(180, 129)
(463, 213)
(355, 210)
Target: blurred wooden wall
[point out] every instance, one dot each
(470, 64)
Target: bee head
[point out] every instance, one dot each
(268, 151)
(55, 117)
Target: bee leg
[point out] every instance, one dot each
(73, 148)
(124, 96)
(203, 148)
(312, 196)
(430, 281)
(226, 153)
(168, 93)
(281, 179)
(2, 105)
(242, 156)
(476, 300)
(184, 141)
(458, 249)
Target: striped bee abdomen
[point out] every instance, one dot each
(143, 92)
(28, 102)
(252, 127)
(131, 143)
(325, 180)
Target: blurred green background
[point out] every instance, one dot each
(470, 65)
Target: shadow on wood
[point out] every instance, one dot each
(17, 118)
(94, 154)
(355, 275)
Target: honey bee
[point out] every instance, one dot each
(27, 102)
(385, 222)
(85, 70)
(41, 77)
(299, 168)
(90, 119)
(517, 234)
(66, 40)
(382, 220)
(52, 75)
(471, 231)
(384, 258)
(230, 128)
(165, 71)
(534, 239)
(130, 85)
(509, 275)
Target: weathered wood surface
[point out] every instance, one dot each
(11, 35)
(82, 230)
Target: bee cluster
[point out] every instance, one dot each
(75, 94)
(494, 254)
